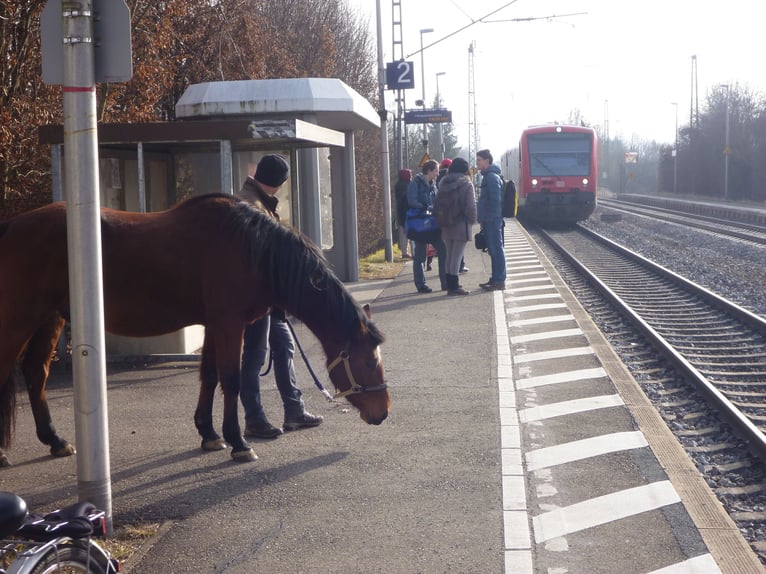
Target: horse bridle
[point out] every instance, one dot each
(344, 357)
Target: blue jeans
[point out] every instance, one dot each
(419, 261)
(493, 230)
(265, 332)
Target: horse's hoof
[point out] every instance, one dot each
(66, 450)
(244, 455)
(4, 461)
(214, 444)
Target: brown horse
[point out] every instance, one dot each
(210, 260)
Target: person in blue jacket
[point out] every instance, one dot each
(489, 211)
(420, 196)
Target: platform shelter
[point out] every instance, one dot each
(221, 131)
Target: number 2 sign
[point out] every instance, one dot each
(400, 75)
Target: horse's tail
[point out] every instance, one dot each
(7, 409)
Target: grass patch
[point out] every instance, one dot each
(127, 539)
(375, 266)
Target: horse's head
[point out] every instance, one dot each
(357, 373)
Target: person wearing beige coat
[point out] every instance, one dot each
(457, 235)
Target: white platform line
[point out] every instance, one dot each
(702, 564)
(514, 269)
(554, 354)
(517, 535)
(547, 335)
(546, 287)
(529, 276)
(559, 378)
(603, 509)
(586, 448)
(540, 297)
(541, 320)
(532, 308)
(569, 408)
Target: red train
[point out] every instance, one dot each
(558, 173)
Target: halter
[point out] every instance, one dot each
(355, 388)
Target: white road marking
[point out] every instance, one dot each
(603, 509)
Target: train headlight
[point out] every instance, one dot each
(534, 182)
(585, 181)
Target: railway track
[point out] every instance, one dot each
(699, 358)
(740, 230)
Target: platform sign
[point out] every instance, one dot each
(631, 157)
(112, 48)
(432, 116)
(400, 75)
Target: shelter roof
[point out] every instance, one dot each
(331, 103)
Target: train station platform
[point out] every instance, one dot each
(517, 443)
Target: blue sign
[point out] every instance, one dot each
(434, 116)
(400, 75)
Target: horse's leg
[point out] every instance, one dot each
(36, 367)
(7, 407)
(228, 342)
(11, 345)
(203, 416)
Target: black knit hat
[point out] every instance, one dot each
(459, 165)
(272, 170)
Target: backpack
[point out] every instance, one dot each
(510, 199)
(446, 207)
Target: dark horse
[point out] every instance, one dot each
(210, 260)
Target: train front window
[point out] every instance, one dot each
(559, 154)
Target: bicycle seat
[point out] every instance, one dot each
(75, 521)
(13, 511)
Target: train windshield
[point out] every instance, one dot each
(558, 154)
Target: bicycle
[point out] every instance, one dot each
(60, 542)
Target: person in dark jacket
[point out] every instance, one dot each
(400, 199)
(490, 214)
(272, 330)
(459, 233)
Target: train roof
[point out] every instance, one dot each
(549, 128)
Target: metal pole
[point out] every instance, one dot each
(726, 150)
(439, 103)
(85, 270)
(384, 155)
(675, 154)
(141, 178)
(423, 85)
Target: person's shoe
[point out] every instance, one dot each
(303, 421)
(494, 286)
(458, 291)
(425, 289)
(464, 270)
(406, 256)
(486, 284)
(428, 268)
(262, 430)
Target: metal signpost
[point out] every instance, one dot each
(75, 56)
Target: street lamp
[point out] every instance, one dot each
(727, 148)
(675, 153)
(423, 84)
(439, 103)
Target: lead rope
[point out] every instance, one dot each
(317, 382)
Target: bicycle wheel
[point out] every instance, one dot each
(73, 558)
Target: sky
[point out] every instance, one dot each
(621, 64)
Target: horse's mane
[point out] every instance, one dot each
(289, 260)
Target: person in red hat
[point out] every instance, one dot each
(443, 168)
